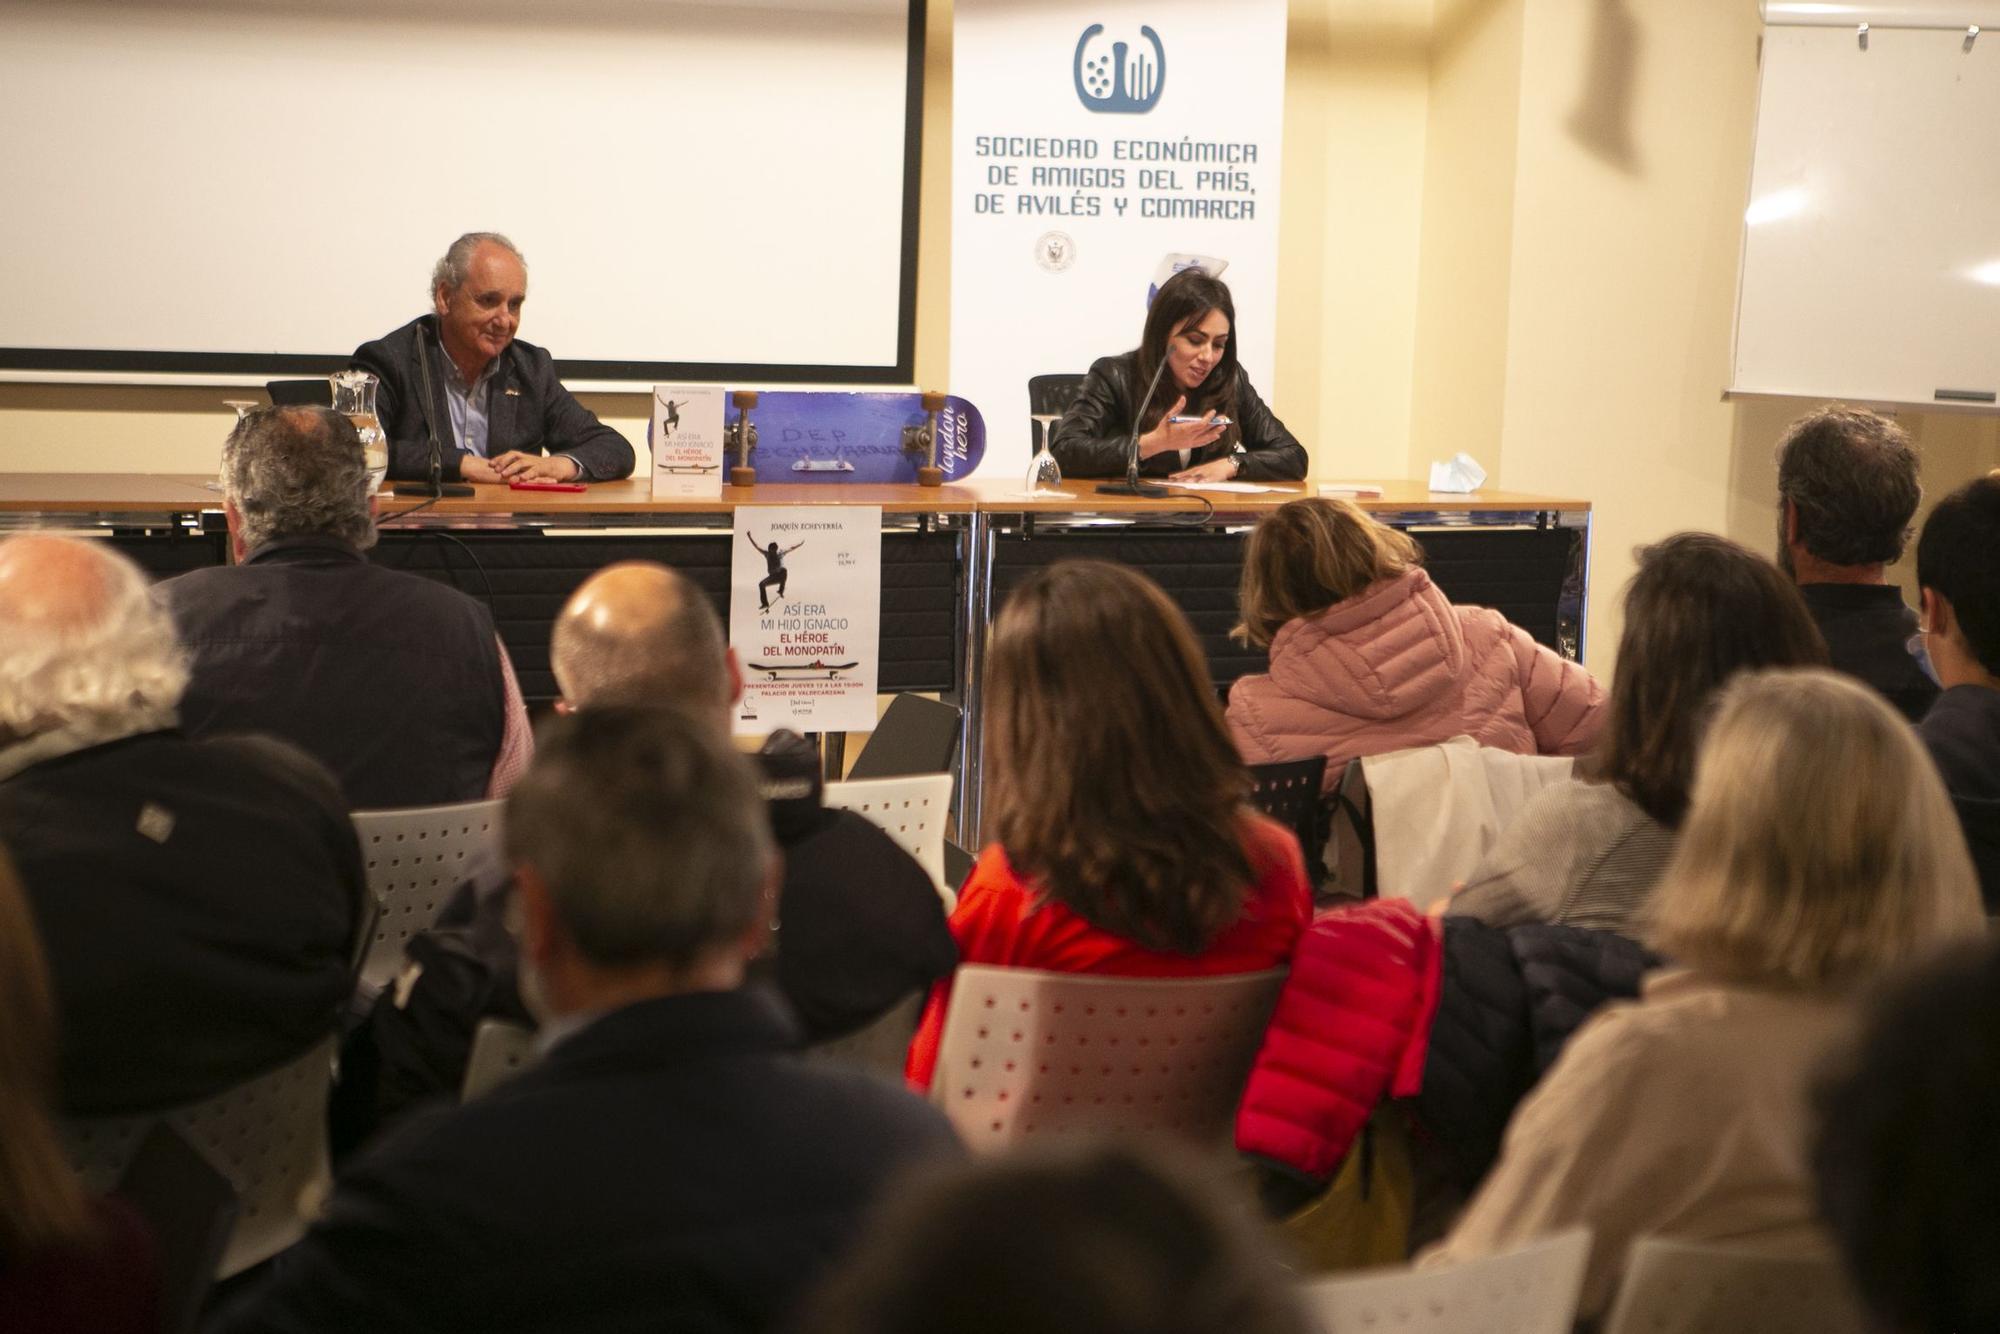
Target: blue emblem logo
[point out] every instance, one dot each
(1117, 81)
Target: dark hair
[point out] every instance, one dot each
(1112, 784)
(1187, 298)
(297, 471)
(1958, 558)
(1851, 478)
(1700, 609)
(1906, 1161)
(649, 829)
(1105, 1239)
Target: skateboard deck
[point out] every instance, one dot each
(836, 436)
(775, 669)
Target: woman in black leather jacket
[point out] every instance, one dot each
(1190, 326)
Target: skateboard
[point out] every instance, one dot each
(832, 669)
(834, 436)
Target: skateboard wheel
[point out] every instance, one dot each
(743, 477)
(744, 398)
(934, 401)
(929, 476)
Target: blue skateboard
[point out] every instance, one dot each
(836, 437)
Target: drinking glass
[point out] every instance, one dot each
(1044, 473)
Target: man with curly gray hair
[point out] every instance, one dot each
(198, 900)
(395, 682)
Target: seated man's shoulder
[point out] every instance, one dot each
(390, 345)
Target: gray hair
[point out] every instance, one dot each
(648, 828)
(450, 270)
(640, 633)
(297, 472)
(1851, 477)
(82, 643)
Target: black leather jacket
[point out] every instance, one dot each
(1094, 436)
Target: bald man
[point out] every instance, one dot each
(198, 900)
(860, 925)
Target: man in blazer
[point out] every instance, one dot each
(492, 403)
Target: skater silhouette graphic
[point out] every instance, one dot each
(774, 564)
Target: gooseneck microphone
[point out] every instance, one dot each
(1132, 486)
(437, 489)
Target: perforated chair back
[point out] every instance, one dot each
(1680, 1287)
(879, 1045)
(913, 810)
(500, 1051)
(416, 857)
(1026, 1053)
(1530, 1291)
(1288, 792)
(1053, 393)
(314, 393)
(266, 1135)
(916, 736)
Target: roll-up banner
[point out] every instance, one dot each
(1096, 148)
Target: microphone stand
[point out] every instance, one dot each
(437, 490)
(1132, 486)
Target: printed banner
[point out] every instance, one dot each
(687, 441)
(1095, 150)
(805, 616)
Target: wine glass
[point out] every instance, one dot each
(1044, 473)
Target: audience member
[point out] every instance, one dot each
(1685, 1114)
(1847, 490)
(670, 1163)
(1120, 841)
(66, 1262)
(1906, 1161)
(198, 900)
(395, 682)
(1367, 656)
(1958, 571)
(1588, 852)
(1104, 1238)
(458, 381)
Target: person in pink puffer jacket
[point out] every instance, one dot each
(1367, 656)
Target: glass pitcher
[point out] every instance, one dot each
(354, 397)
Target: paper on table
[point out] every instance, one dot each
(1041, 493)
(1241, 488)
(1366, 489)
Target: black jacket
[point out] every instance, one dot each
(672, 1166)
(1867, 628)
(198, 902)
(1093, 439)
(391, 680)
(527, 408)
(1962, 731)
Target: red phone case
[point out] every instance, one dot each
(546, 486)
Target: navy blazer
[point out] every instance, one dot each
(527, 408)
(672, 1166)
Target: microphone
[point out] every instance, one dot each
(437, 490)
(1132, 486)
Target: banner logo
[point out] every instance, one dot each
(1117, 81)
(1055, 251)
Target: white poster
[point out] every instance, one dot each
(687, 441)
(805, 616)
(1095, 149)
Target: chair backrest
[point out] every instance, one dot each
(190, 1208)
(1027, 1053)
(314, 393)
(500, 1050)
(1533, 1290)
(916, 736)
(1681, 1287)
(267, 1136)
(913, 810)
(1053, 393)
(1288, 792)
(879, 1045)
(416, 857)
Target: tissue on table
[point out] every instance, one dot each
(1460, 473)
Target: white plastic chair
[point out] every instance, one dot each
(1027, 1053)
(1530, 1291)
(267, 1135)
(1682, 1287)
(913, 810)
(500, 1051)
(416, 857)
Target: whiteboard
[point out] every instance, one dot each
(702, 191)
(1871, 245)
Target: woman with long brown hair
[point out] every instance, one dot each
(1203, 423)
(1119, 840)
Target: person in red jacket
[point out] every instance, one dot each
(1120, 839)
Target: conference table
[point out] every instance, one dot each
(950, 555)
